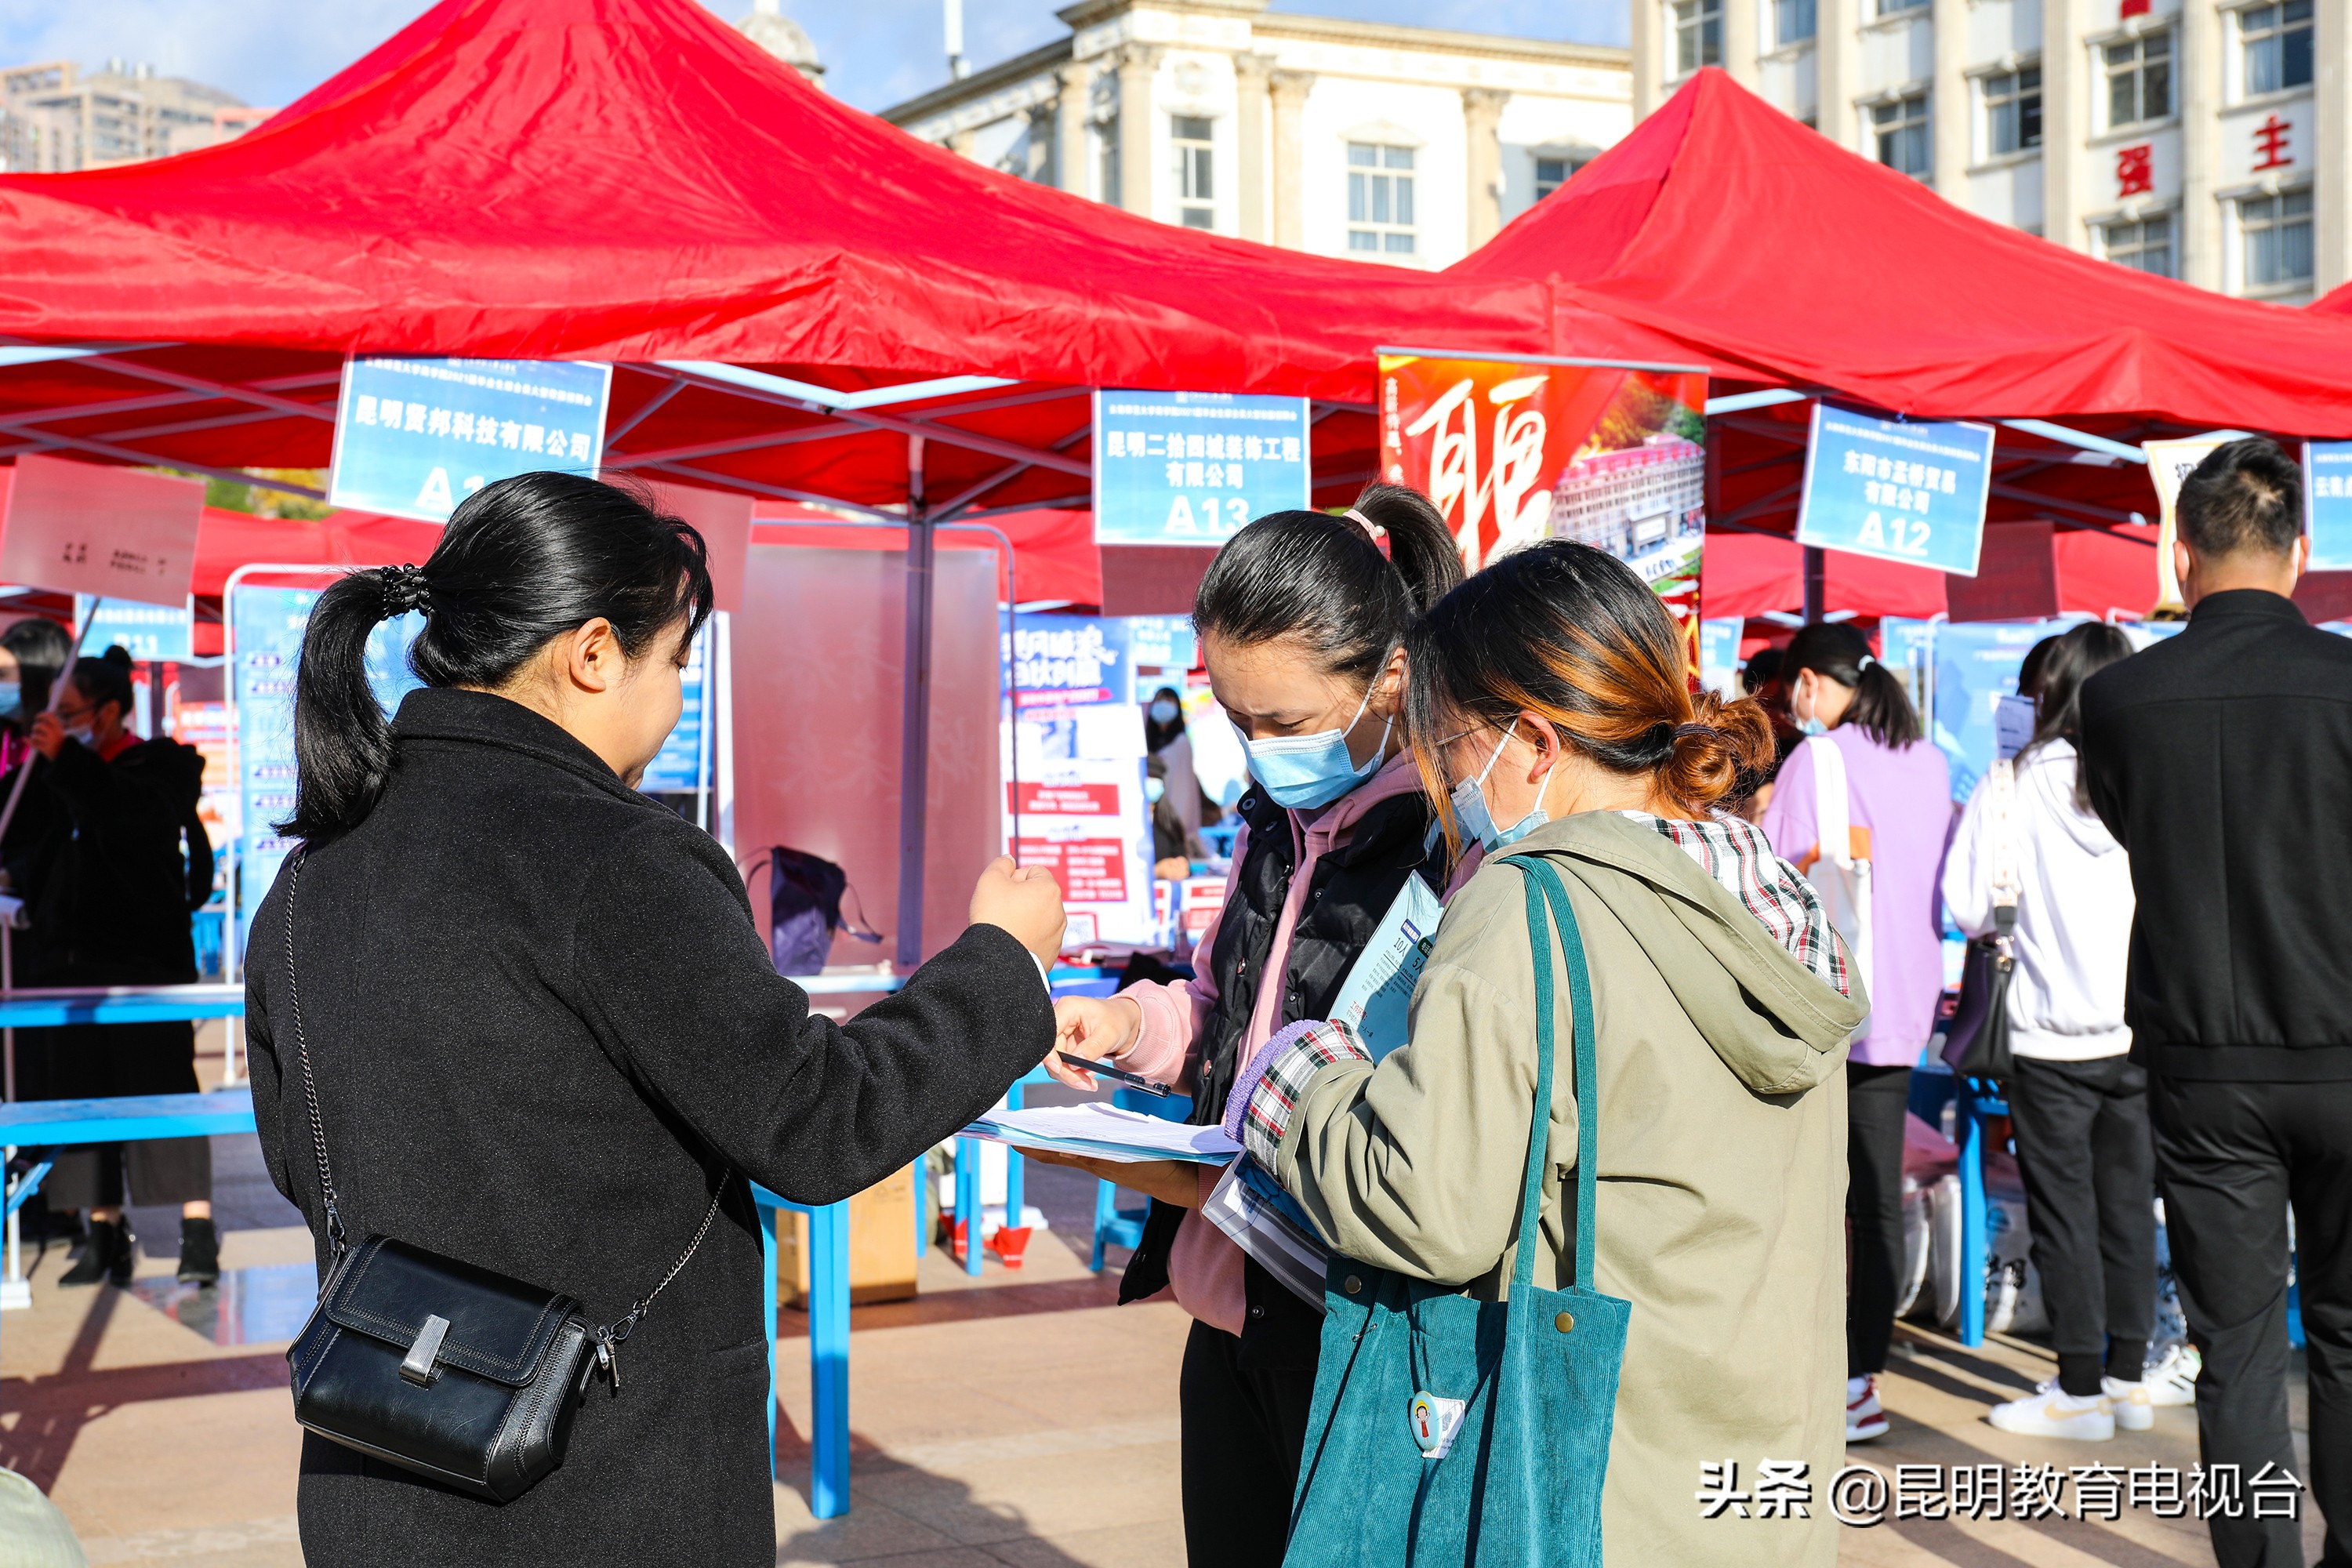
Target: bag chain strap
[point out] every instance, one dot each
(608, 1337)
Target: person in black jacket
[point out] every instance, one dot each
(2221, 759)
(1302, 618)
(545, 1030)
(96, 850)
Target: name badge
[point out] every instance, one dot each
(1434, 1423)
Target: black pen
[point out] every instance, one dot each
(1130, 1079)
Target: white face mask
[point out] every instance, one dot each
(1470, 804)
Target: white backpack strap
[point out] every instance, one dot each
(1833, 804)
(2000, 803)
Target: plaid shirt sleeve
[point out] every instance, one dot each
(1735, 854)
(1268, 1090)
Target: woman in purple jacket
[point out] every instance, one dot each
(1898, 790)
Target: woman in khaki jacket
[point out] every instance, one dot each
(1551, 716)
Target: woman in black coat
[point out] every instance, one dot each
(545, 1031)
(96, 851)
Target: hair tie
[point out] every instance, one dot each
(404, 590)
(1866, 662)
(1374, 529)
(1682, 731)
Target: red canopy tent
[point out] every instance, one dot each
(1728, 225)
(632, 181)
(801, 301)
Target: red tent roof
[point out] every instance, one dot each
(1723, 221)
(229, 540)
(633, 181)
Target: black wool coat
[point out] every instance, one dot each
(544, 1030)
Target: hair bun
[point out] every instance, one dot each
(117, 656)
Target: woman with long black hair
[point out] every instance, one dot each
(1302, 619)
(546, 1038)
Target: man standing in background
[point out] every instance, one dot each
(2223, 760)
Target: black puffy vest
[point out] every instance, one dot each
(1354, 884)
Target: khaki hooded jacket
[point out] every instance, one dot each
(1721, 1181)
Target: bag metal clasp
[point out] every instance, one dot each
(421, 1367)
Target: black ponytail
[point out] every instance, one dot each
(523, 562)
(1326, 582)
(1833, 651)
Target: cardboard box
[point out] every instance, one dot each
(881, 1246)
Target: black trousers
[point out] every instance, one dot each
(1243, 1433)
(2083, 1148)
(1876, 1100)
(95, 1061)
(2232, 1158)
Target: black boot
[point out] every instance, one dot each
(199, 1253)
(110, 1252)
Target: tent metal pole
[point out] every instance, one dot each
(915, 729)
(1816, 581)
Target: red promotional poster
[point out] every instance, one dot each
(1516, 450)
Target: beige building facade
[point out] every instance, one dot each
(1407, 146)
(2204, 140)
(55, 117)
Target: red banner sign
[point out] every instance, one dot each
(1090, 871)
(1516, 450)
(1063, 800)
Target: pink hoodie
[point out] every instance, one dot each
(1204, 1268)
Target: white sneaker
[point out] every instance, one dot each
(2051, 1412)
(2135, 1412)
(1865, 1418)
(2173, 1378)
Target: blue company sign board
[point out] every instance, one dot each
(146, 632)
(1906, 491)
(415, 436)
(1190, 467)
(2327, 503)
(268, 623)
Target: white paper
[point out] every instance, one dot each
(1105, 1132)
(1376, 1000)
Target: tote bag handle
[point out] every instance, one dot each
(1544, 886)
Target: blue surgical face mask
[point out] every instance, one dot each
(1153, 789)
(1470, 804)
(1163, 712)
(84, 733)
(1303, 771)
(12, 695)
(1807, 724)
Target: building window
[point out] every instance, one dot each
(2145, 246)
(1901, 128)
(1793, 22)
(1107, 161)
(2275, 41)
(2012, 110)
(1553, 172)
(2139, 78)
(1699, 35)
(1196, 170)
(1380, 198)
(2276, 234)
(1896, 7)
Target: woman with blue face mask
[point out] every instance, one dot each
(1302, 619)
(1168, 744)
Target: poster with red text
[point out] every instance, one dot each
(1516, 450)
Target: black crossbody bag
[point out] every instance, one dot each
(438, 1366)
(1976, 1043)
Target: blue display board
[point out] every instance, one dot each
(1718, 655)
(1190, 467)
(267, 624)
(1977, 664)
(415, 436)
(146, 632)
(1163, 642)
(1060, 660)
(1912, 491)
(2327, 503)
(683, 764)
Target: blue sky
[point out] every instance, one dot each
(876, 52)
